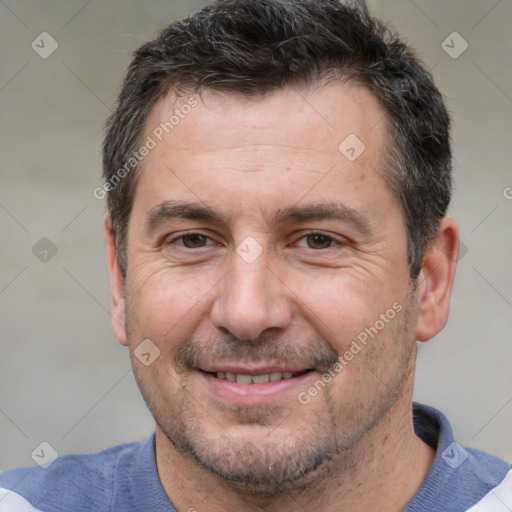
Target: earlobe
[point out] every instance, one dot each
(436, 280)
(117, 300)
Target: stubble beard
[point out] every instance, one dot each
(293, 456)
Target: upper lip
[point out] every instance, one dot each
(261, 370)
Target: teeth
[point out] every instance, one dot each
(260, 379)
(254, 379)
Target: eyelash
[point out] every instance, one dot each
(185, 235)
(332, 240)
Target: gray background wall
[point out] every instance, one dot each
(63, 377)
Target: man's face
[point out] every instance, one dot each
(259, 252)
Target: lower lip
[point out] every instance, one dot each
(254, 394)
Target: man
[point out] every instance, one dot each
(277, 177)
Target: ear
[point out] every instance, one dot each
(117, 300)
(435, 281)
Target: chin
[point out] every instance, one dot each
(263, 465)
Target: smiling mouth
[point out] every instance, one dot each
(240, 378)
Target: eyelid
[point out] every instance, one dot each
(176, 238)
(336, 240)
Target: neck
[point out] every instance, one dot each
(388, 467)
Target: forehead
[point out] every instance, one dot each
(276, 148)
(319, 119)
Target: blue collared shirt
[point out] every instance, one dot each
(125, 479)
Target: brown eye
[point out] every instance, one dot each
(194, 241)
(318, 241)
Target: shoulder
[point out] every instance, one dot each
(473, 480)
(461, 478)
(82, 482)
(495, 476)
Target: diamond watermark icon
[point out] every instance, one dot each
(44, 45)
(454, 45)
(44, 250)
(249, 250)
(352, 147)
(463, 250)
(147, 352)
(44, 455)
(454, 455)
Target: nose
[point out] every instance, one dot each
(251, 299)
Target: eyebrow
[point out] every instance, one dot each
(324, 211)
(169, 210)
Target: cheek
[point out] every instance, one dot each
(165, 309)
(342, 307)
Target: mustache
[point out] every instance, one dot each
(317, 354)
